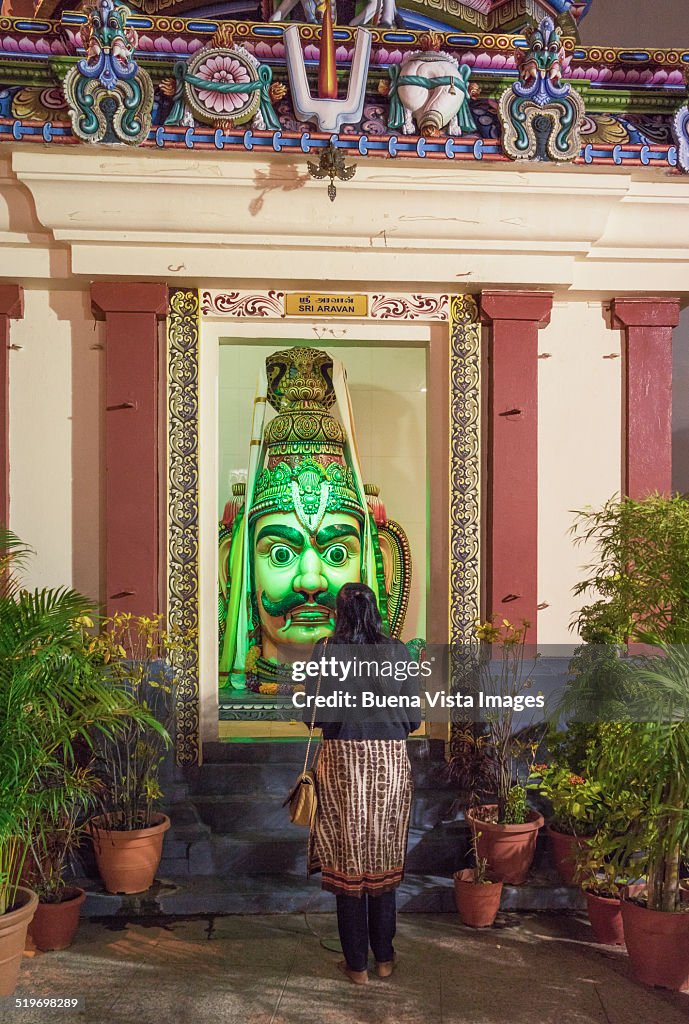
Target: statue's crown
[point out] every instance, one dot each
(306, 470)
(300, 389)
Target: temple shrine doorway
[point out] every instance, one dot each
(398, 373)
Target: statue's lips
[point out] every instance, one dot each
(310, 615)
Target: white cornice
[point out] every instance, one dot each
(204, 219)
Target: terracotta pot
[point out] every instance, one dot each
(13, 928)
(605, 917)
(128, 861)
(565, 849)
(55, 924)
(658, 946)
(509, 849)
(477, 905)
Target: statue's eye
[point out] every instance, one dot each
(281, 555)
(337, 554)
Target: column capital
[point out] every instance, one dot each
(12, 301)
(516, 305)
(643, 311)
(128, 297)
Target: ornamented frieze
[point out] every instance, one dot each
(271, 305)
(202, 84)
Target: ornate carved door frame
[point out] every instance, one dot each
(454, 365)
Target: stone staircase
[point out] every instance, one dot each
(232, 849)
(230, 822)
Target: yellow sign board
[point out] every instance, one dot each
(323, 304)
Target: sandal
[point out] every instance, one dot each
(385, 969)
(356, 977)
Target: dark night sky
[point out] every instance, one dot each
(637, 23)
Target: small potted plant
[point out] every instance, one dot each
(477, 896)
(603, 889)
(143, 657)
(71, 794)
(577, 806)
(509, 827)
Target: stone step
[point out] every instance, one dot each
(230, 813)
(288, 894)
(282, 850)
(214, 778)
(292, 751)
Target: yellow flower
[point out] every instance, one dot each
(253, 654)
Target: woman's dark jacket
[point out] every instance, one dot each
(388, 723)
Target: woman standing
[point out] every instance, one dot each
(359, 838)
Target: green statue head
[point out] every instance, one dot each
(304, 527)
(307, 517)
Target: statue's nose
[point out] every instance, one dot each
(310, 579)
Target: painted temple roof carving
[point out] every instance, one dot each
(478, 15)
(274, 87)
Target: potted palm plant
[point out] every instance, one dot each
(648, 775)
(505, 831)
(143, 658)
(641, 583)
(52, 693)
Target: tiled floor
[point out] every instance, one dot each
(272, 970)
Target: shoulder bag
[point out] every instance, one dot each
(302, 799)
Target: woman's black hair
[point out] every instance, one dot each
(358, 620)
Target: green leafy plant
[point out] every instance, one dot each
(597, 873)
(143, 658)
(641, 582)
(640, 577)
(54, 699)
(577, 802)
(69, 796)
(646, 776)
(516, 808)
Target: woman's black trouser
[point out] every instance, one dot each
(364, 919)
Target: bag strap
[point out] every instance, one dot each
(313, 718)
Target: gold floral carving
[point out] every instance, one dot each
(465, 467)
(183, 507)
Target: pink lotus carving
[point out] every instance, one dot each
(221, 68)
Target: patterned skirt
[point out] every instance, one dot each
(359, 838)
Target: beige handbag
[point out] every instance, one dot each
(302, 799)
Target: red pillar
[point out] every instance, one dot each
(514, 318)
(11, 308)
(132, 460)
(647, 397)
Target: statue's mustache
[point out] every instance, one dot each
(287, 604)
